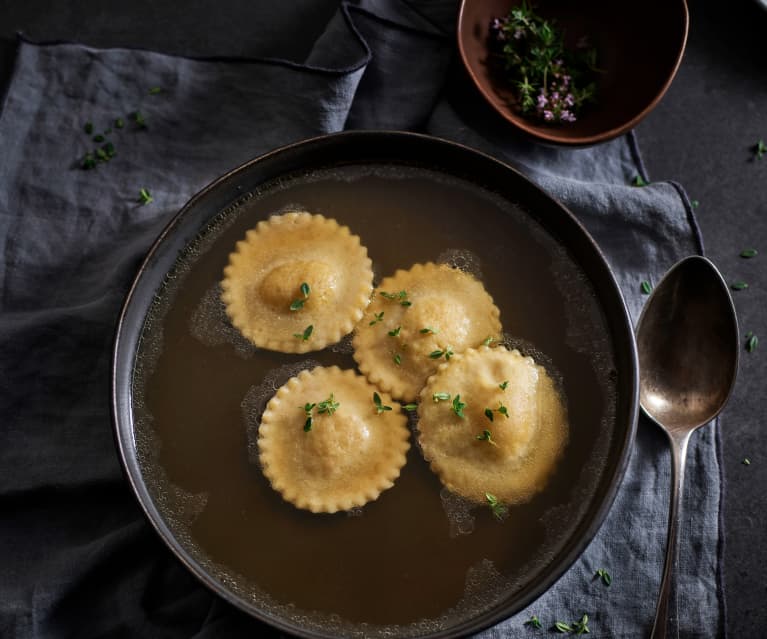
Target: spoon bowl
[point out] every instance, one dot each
(687, 339)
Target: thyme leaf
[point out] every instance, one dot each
(144, 196)
(458, 406)
(486, 436)
(328, 406)
(298, 304)
(646, 287)
(380, 406)
(499, 511)
(378, 318)
(604, 576)
(304, 337)
(533, 621)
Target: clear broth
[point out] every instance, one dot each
(417, 559)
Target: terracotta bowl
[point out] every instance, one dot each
(639, 50)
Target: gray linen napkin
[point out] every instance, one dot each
(74, 545)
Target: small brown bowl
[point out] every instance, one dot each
(638, 52)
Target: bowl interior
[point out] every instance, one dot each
(187, 392)
(638, 52)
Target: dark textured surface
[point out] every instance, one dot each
(701, 134)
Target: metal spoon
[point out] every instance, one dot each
(687, 338)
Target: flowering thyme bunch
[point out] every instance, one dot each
(550, 82)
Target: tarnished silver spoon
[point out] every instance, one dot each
(687, 339)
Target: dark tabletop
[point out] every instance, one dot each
(702, 135)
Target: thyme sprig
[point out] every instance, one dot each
(458, 406)
(486, 436)
(447, 353)
(499, 511)
(550, 82)
(380, 407)
(326, 407)
(533, 621)
(602, 574)
(400, 297)
(298, 304)
(377, 317)
(304, 337)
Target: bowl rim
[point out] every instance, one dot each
(552, 138)
(128, 331)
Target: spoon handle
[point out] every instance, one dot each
(678, 459)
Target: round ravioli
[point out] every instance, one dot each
(492, 422)
(419, 318)
(297, 282)
(329, 441)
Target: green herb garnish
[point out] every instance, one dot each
(378, 318)
(746, 461)
(488, 340)
(747, 253)
(562, 627)
(504, 385)
(297, 305)
(580, 627)
(428, 329)
(88, 128)
(98, 138)
(695, 204)
(440, 397)
(155, 90)
(448, 353)
(499, 510)
(304, 337)
(503, 410)
(397, 359)
(646, 287)
(138, 118)
(458, 406)
(88, 161)
(550, 82)
(639, 181)
(533, 621)
(307, 408)
(329, 406)
(486, 436)
(752, 341)
(760, 148)
(410, 407)
(401, 297)
(739, 286)
(604, 575)
(489, 413)
(119, 123)
(380, 406)
(144, 196)
(395, 332)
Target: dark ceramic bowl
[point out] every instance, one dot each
(639, 49)
(188, 390)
